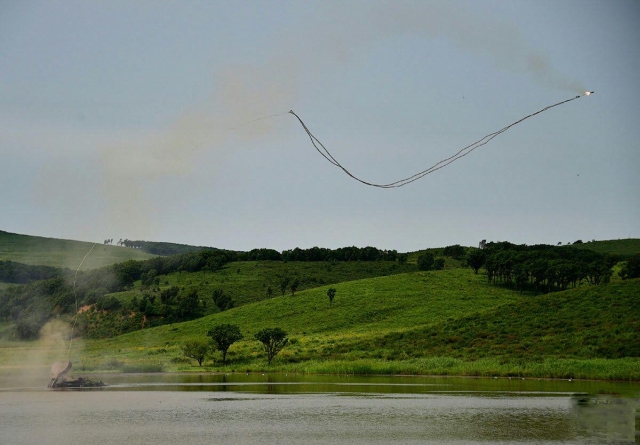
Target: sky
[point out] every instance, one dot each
(167, 121)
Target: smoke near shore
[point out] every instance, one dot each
(30, 365)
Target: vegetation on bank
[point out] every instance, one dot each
(419, 323)
(384, 317)
(170, 289)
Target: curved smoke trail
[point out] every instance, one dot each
(437, 166)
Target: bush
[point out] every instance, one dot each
(438, 264)
(631, 269)
(456, 251)
(143, 368)
(425, 261)
(108, 303)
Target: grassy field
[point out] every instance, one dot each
(586, 322)
(361, 309)
(447, 323)
(386, 318)
(4, 286)
(36, 250)
(630, 246)
(247, 282)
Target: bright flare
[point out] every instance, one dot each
(588, 93)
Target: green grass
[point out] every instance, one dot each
(363, 310)
(4, 286)
(448, 322)
(247, 282)
(629, 246)
(586, 322)
(599, 369)
(36, 250)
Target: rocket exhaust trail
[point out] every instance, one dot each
(437, 166)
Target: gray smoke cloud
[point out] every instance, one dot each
(30, 366)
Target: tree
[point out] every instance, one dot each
(331, 293)
(189, 305)
(196, 349)
(269, 292)
(168, 296)
(284, 283)
(456, 251)
(273, 340)
(294, 286)
(475, 259)
(631, 269)
(223, 302)
(223, 336)
(402, 258)
(108, 303)
(438, 264)
(149, 278)
(425, 261)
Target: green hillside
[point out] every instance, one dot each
(627, 247)
(585, 322)
(368, 307)
(36, 250)
(444, 322)
(249, 281)
(387, 317)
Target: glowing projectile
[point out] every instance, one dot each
(588, 93)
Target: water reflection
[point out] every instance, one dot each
(292, 409)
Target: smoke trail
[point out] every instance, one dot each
(437, 166)
(329, 39)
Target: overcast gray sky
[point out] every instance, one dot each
(123, 119)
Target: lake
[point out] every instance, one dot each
(302, 409)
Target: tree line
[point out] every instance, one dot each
(544, 268)
(222, 336)
(19, 273)
(263, 254)
(30, 306)
(319, 254)
(540, 268)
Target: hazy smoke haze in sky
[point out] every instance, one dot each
(245, 92)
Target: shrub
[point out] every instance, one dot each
(425, 261)
(438, 264)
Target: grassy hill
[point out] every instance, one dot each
(248, 281)
(585, 322)
(627, 247)
(36, 250)
(386, 318)
(445, 322)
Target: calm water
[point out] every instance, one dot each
(280, 409)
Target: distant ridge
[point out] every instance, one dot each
(624, 247)
(164, 249)
(54, 252)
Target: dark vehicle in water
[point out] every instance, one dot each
(59, 371)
